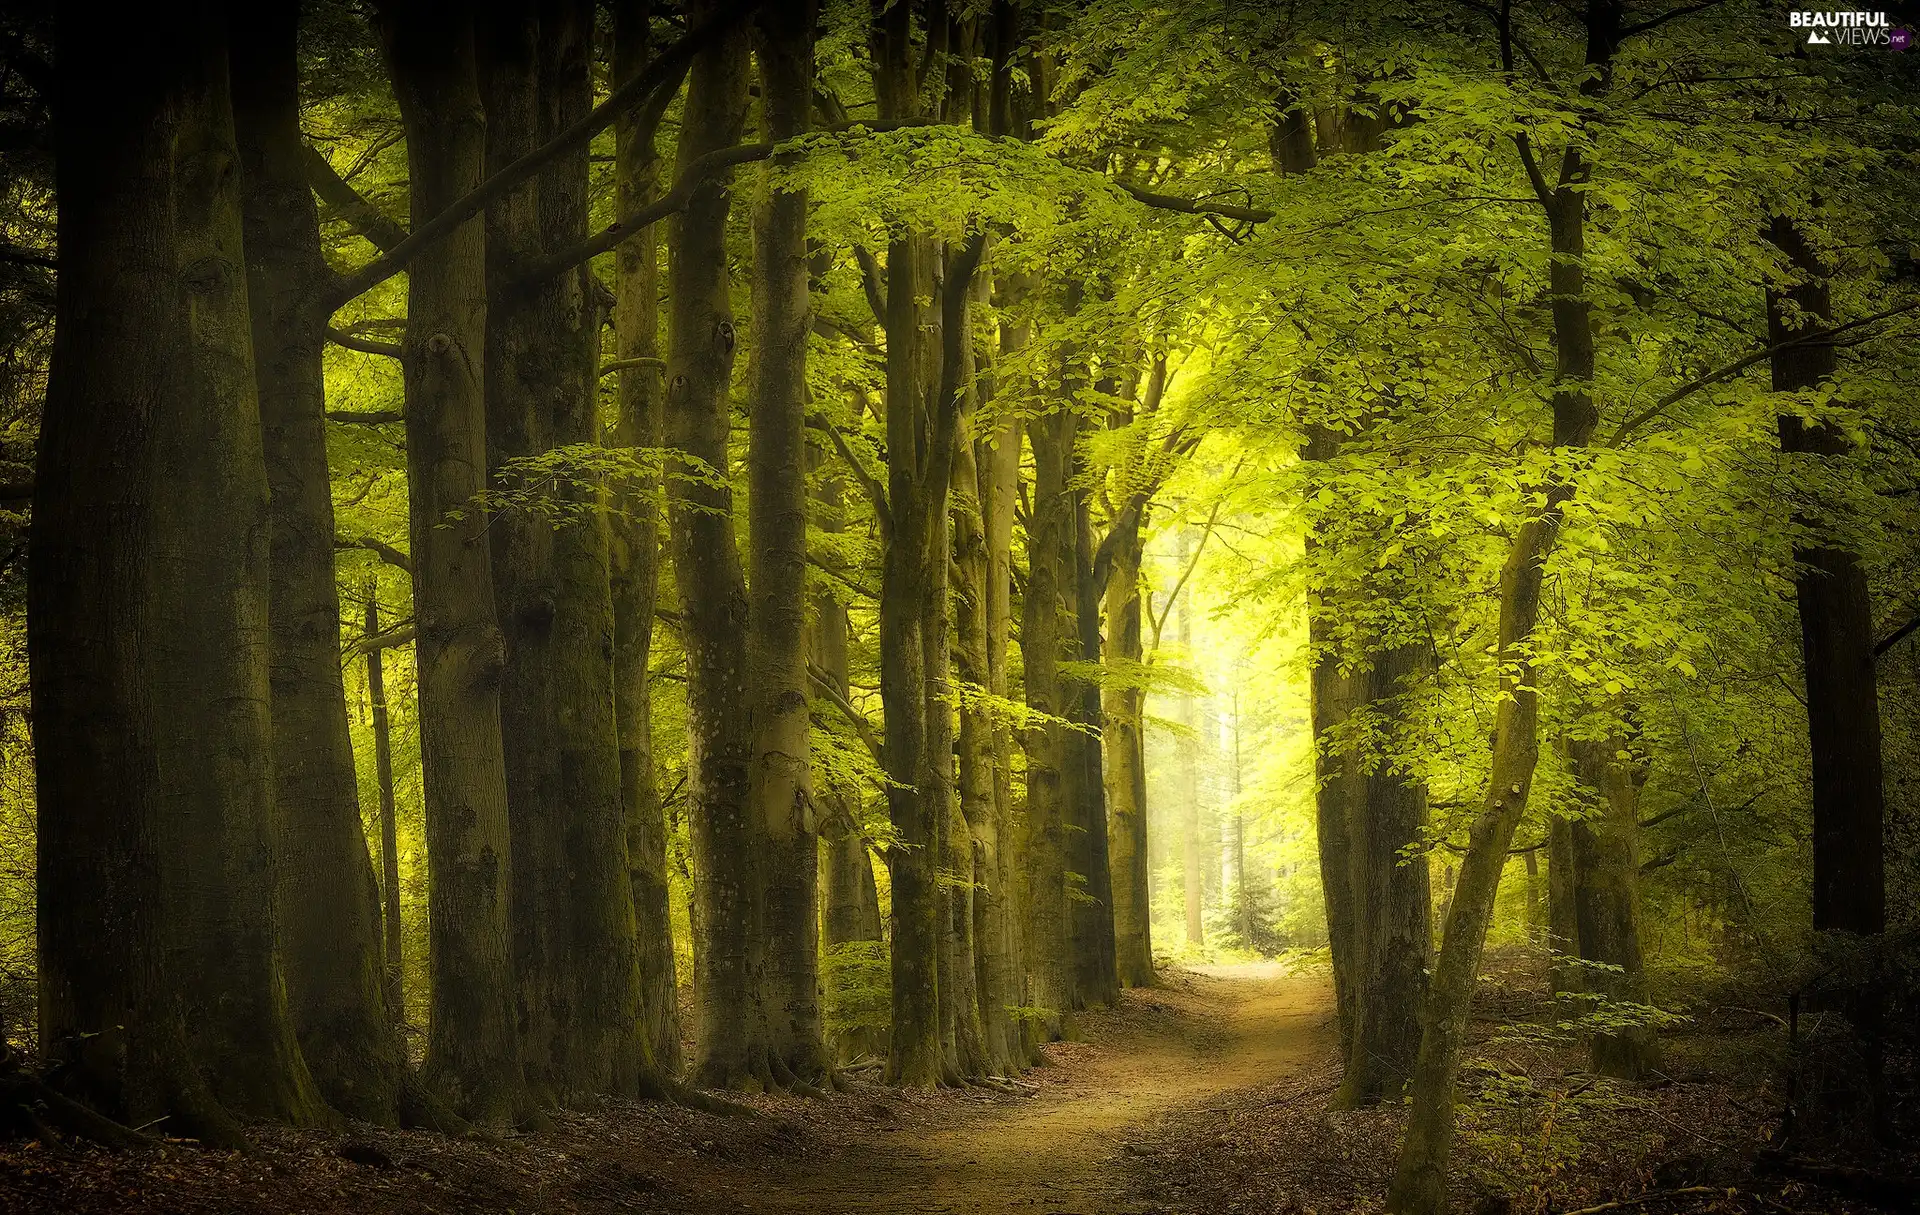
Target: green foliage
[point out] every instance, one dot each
(858, 980)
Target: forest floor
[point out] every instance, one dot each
(1206, 1095)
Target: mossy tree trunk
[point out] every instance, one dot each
(473, 1053)
(329, 903)
(147, 596)
(729, 1025)
(1607, 898)
(635, 551)
(1395, 935)
(1836, 628)
(781, 783)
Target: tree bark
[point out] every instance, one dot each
(781, 781)
(147, 596)
(1392, 898)
(330, 925)
(634, 553)
(473, 1055)
(1836, 632)
(1123, 740)
(1048, 635)
(998, 906)
(920, 778)
(1607, 900)
(730, 1050)
(1097, 973)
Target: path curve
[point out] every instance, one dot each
(1210, 1030)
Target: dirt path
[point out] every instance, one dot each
(1210, 1031)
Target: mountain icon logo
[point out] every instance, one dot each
(1816, 38)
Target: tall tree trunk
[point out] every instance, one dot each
(1836, 632)
(1395, 936)
(998, 912)
(473, 1055)
(147, 585)
(920, 779)
(730, 1037)
(1047, 637)
(781, 788)
(329, 904)
(1420, 1180)
(634, 552)
(1097, 973)
(606, 1052)
(389, 819)
(1607, 899)
(525, 372)
(1126, 770)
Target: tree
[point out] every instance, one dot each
(148, 605)
(713, 591)
(634, 546)
(780, 789)
(473, 1053)
(329, 910)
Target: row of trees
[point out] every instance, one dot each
(871, 395)
(212, 936)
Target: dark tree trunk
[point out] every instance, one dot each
(1048, 636)
(147, 594)
(1836, 633)
(634, 552)
(328, 900)
(730, 1049)
(781, 786)
(1607, 900)
(1395, 937)
(473, 1056)
(1096, 972)
(920, 778)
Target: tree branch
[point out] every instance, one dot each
(386, 552)
(349, 204)
(1897, 636)
(870, 280)
(632, 364)
(399, 635)
(365, 417)
(855, 718)
(1654, 23)
(1190, 206)
(666, 69)
(876, 493)
(350, 341)
(1739, 365)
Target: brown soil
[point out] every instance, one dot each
(1065, 1148)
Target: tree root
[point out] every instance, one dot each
(48, 1115)
(420, 1109)
(706, 1103)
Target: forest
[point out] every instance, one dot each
(1095, 606)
